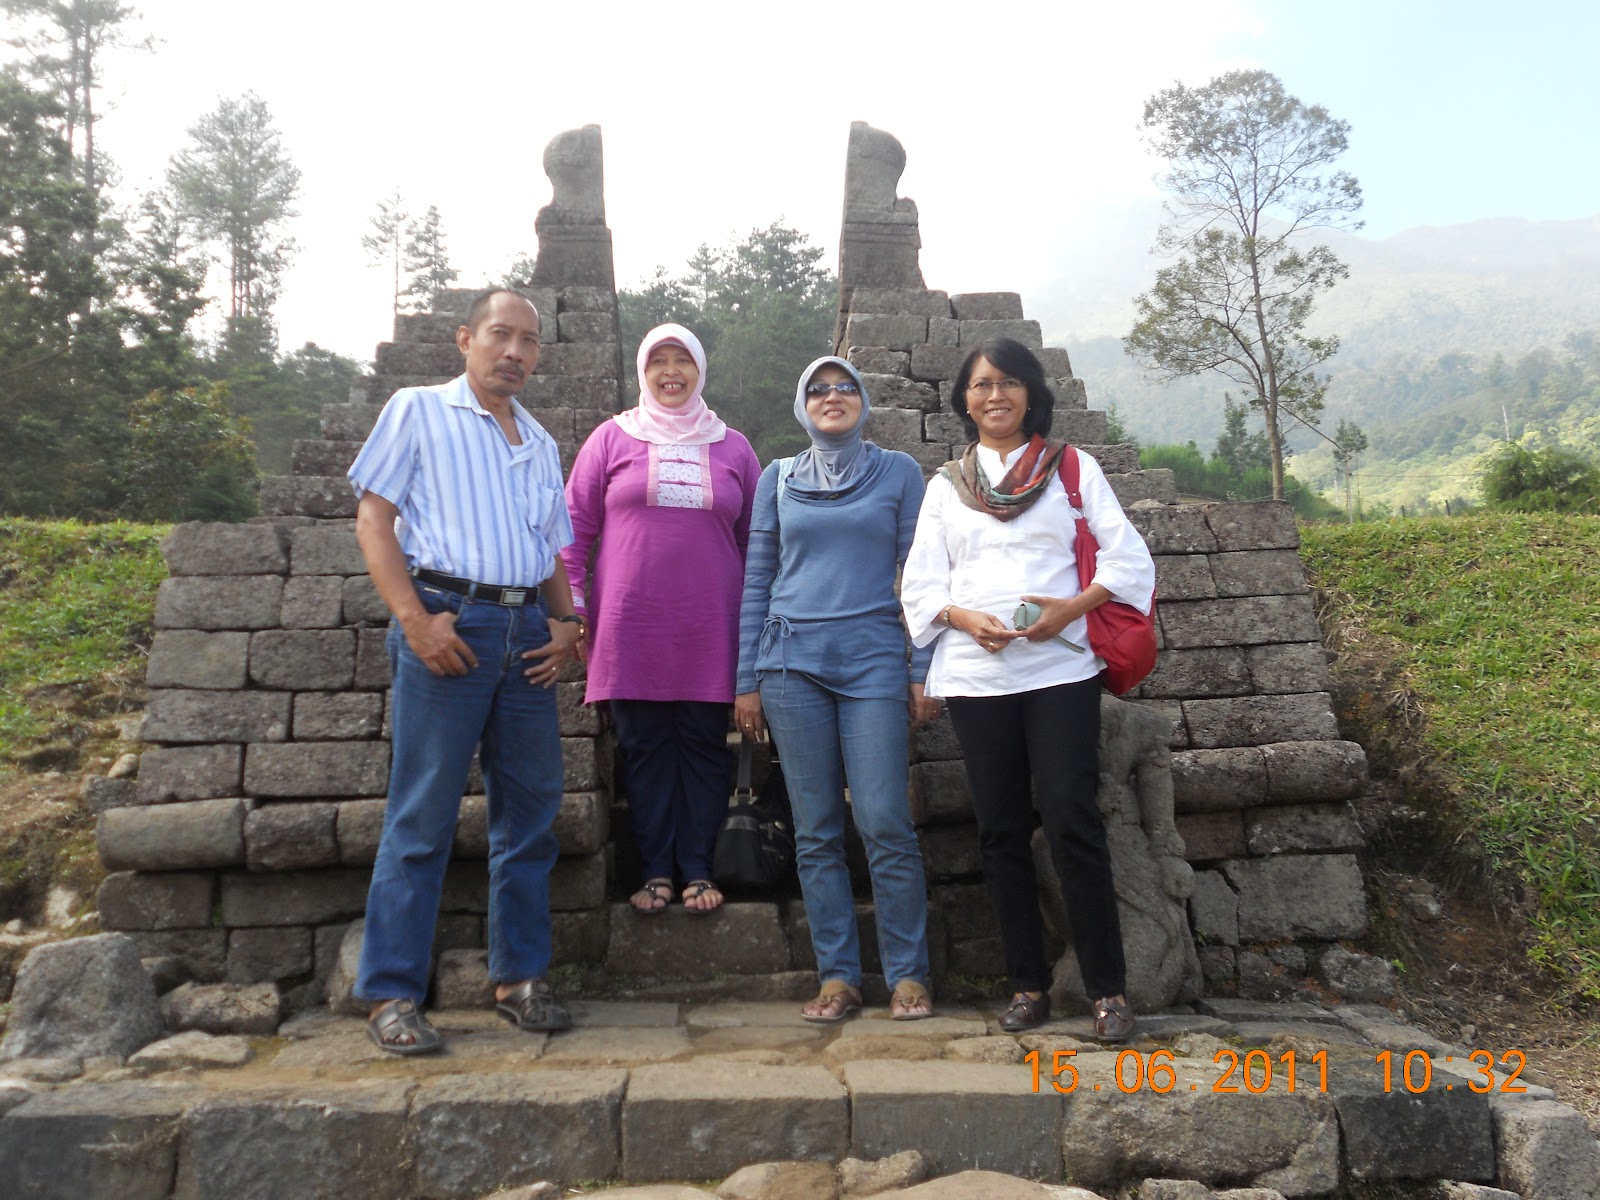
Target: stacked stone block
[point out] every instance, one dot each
(1262, 779)
(257, 814)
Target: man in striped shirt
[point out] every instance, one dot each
(461, 517)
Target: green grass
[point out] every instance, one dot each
(76, 603)
(1490, 626)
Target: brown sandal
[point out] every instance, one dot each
(836, 1001)
(910, 1002)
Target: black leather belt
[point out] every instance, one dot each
(511, 597)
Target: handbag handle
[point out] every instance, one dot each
(741, 786)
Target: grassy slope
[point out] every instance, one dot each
(1490, 629)
(76, 603)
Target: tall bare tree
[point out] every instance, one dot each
(1250, 174)
(386, 242)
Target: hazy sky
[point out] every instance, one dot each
(1019, 122)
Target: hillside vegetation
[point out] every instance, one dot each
(1476, 642)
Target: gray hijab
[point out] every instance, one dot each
(836, 462)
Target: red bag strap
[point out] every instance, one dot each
(1069, 477)
(1088, 549)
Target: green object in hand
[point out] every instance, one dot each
(1028, 612)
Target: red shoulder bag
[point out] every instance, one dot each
(1119, 633)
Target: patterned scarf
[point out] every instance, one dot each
(1015, 493)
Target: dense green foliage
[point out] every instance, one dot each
(1492, 624)
(96, 308)
(1549, 480)
(75, 614)
(763, 308)
(1249, 170)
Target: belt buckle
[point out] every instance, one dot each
(512, 597)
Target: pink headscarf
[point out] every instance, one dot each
(690, 423)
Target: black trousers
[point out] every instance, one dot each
(1043, 747)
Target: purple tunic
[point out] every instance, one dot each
(668, 527)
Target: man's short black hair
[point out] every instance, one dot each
(1016, 360)
(480, 302)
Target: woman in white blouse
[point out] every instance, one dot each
(996, 531)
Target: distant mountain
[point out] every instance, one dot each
(1461, 293)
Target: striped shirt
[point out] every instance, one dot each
(471, 504)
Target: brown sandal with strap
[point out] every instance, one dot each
(910, 1002)
(836, 1001)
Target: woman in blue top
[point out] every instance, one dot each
(823, 661)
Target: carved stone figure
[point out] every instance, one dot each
(1147, 861)
(880, 241)
(574, 243)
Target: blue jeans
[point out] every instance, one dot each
(824, 738)
(438, 721)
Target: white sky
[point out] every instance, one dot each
(1019, 122)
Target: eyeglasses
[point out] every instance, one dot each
(815, 391)
(983, 387)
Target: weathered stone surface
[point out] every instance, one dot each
(358, 827)
(944, 332)
(879, 361)
(1157, 484)
(860, 1177)
(1214, 909)
(1359, 977)
(900, 332)
(312, 601)
(220, 548)
(181, 835)
(1289, 667)
(580, 764)
(1302, 827)
(1088, 428)
(1218, 780)
(701, 1119)
(1254, 525)
(1217, 964)
(895, 428)
(476, 1133)
(461, 980)
(150, 900)
(200, 953)
(360, 602)
(1209, 836)
(303, 659)
(588, 327)
(934, 364)
(1260, 720)
(1212, 671)
(896, 1106)
(1455, 1190)
(775, 1180)
(193, 659)
(98, 792)
(900, 302)
(55, 1146)
(1298, 896)
(318, 456)
(246, 1009)
(1259, 573)
(735, 939)
(247, 1145)
(317, 769)
(1545, 1150)
(595, 360)
(340, 973)
(1174, 529)
(950, 851)
(582, 824)
(290, 837)
(202, 1051)
(939, 793)
(987, 306)
(1288, 1141)
(372, 659)
(219, 602)
(267, 954)
(1301, 771)
(293, 897)
(307, 496)
(189, 773)
(326, 550)
(1247, 620)
(1399, 1134)
(576, 882)
(202, 716)
(1184, 577)
(894, 391)
(975, 332)
(337, 716)
(80, 998)
(352, 422)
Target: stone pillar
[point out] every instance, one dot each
(879, 244)
(574, 243)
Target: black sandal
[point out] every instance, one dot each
(395, 1020)
(657, 895)
(696, 888)
(532, 1008)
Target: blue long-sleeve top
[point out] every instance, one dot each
(819, 583)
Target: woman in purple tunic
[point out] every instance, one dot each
(660, 497)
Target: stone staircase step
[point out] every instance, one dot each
(1156, 484)
(320, 456)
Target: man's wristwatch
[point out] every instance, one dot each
(575, 619)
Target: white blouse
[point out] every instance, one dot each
(967, 558)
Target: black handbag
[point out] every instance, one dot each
(755, 846)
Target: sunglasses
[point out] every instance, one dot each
(815, 391)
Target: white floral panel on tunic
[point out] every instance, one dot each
(680, 477)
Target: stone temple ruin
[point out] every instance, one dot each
(244, 849)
